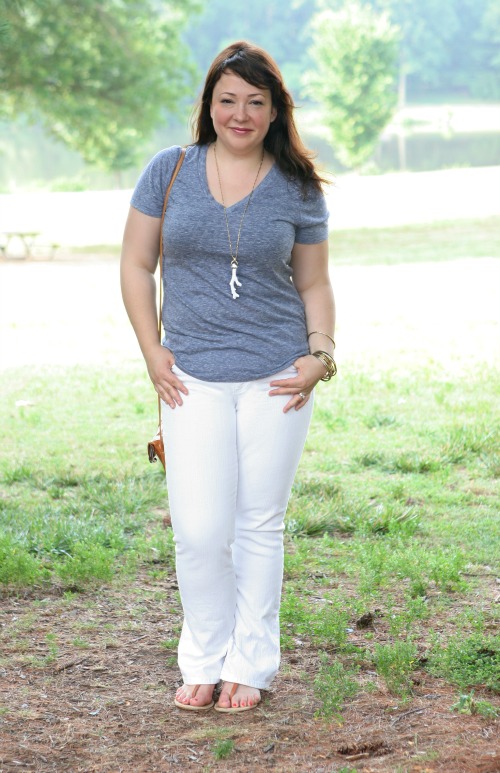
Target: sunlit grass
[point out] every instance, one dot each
(417, 243)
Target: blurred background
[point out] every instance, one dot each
(400, 100)
(91, 90)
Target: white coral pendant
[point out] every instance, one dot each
(234, 281)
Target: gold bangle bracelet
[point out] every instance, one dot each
(318, 332)
(325, 356)
(329, 363)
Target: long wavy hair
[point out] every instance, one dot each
(256, 67)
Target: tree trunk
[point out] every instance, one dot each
(401, 104)
(402, 86)
(402, 148)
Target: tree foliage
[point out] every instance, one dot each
(356, 53)
(427, 29)
(485, 81)
(446, 45)
(103, 73)
(279, 26)
(475, 59)
(100, 73)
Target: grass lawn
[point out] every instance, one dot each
(417, 243)
(391, 653)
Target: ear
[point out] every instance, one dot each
(274, 113)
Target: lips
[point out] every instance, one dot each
(238, 130)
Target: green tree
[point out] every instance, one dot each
(475, 57)
(356, 54)
(427, 29)
(447, 45)
(486, 78)
(99, 73)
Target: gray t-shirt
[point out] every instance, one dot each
(213, 336)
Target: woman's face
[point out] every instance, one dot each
(241, 113)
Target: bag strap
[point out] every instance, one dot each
(165, 202)
(160, 298)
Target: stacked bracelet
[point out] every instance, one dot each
(325, 358)
(329, 363)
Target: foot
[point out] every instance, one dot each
(195, 696)
(237, 697)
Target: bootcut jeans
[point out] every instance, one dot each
(231, 457)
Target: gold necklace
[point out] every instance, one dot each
(234, 255)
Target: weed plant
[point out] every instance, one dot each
(223, 749)
(468, 661)
(334, 685)
(395, 663)
(467, 704)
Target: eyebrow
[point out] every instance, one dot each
(232, 94)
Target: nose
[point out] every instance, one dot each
(240, 112)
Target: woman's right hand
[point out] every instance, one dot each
(159, 363)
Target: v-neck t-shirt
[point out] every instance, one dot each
(215, 337)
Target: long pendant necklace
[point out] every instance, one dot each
(235, 282)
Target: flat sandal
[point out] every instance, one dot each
(235, 709)
(188, 707)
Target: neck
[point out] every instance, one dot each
(248, 159)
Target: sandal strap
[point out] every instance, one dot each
(233, 690)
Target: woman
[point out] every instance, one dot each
(249, 320)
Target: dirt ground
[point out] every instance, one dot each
(101, 701)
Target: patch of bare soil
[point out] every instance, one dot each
(87, 684)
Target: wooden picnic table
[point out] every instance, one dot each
(26, 239)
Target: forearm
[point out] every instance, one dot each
(319, 307)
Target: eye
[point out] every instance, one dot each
(226, 101)
(257, 102)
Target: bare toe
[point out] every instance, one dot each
(203, 695)
(238, 696)
(224, 698)
(194, 694)
(183, 694)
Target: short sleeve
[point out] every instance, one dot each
(149, 193)
(312, 221)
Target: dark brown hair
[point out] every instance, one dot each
(255, 66)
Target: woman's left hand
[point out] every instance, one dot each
(309, 371)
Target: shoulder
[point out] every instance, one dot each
(297, 189)
(162, 165)
(153, 182)
(163, 162)
(304, 198)
(307, 209)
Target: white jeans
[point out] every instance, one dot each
(231, 457)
